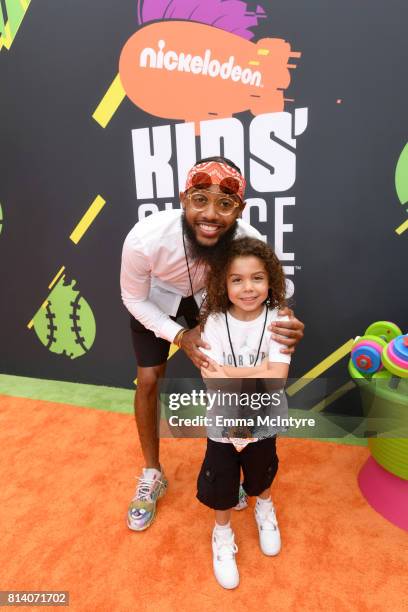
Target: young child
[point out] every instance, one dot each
(244, 293)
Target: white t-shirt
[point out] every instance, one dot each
(245, 339)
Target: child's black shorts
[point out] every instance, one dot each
(219, 477)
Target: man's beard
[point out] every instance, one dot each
(207, 253)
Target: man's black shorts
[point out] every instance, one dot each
(219, 477)
(151, 350)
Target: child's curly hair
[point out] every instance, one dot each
(216, 283)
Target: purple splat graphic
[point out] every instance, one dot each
(229, 15)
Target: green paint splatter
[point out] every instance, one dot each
(15, 14)
(13, 19)
(2, 24)
(1, 218)
(401, 176)
(66, 325)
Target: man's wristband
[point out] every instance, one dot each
(178, 337)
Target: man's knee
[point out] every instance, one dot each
(148, 378)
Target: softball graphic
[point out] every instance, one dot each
(65, 323)
(401, 176)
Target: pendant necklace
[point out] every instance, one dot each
(260, 342)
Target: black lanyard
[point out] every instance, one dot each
(189, 276)
(260, 342)
(188, 267)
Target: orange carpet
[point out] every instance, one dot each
(68, 473)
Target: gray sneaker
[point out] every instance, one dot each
(242, 499)
(142, 509)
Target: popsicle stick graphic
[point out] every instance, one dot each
(50, 286)
(88, 218)
(56, 277)
(44, 307)
(348, 386)
(11, 20)
(110, 102)
(321, 367)
(402, 228)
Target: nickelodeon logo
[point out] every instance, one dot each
(197, 64)
(192, 71)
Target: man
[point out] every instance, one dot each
(164, 261)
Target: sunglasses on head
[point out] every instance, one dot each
(229, 184)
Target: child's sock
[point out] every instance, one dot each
(263, 503)
(221, 528)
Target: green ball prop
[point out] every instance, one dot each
(384, 329)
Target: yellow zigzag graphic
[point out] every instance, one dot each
(10, 23)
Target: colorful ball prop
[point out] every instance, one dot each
(379, 366)
(395, 356)
(366, 354)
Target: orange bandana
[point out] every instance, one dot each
(215, 173)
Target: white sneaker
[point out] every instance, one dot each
(269, 535)
(224, 550)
